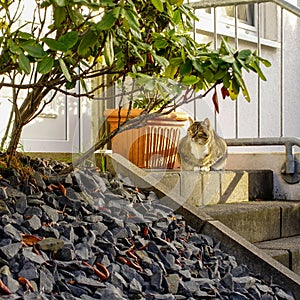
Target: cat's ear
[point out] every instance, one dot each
(191, 121)
(206, 123)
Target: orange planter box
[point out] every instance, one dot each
(152, 146)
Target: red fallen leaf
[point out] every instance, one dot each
(4, 289)
(103, 269)
(122, 259)
(215, 101)
(63, 189)
(145, 231)
(26, 283)
(100, 274)
(30, 239)
(224, 92)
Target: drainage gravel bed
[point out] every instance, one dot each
(89, 235)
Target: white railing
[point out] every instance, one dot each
(281, 107)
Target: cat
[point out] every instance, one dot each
(202, 148)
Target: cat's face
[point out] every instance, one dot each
(200, 132)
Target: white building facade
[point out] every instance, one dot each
(72, 124)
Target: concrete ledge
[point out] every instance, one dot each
(259, 221)
(245, 252)
(205, 188)
(290, 245)
(255, 221)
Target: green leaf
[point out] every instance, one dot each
(197, 65)
(88, 41)
(186, 68)
(246, 94)
(226, 80)
(220, 74)
(108, 51)
(264, 61)
(244, 54)
(24, 63)
(107, 21)
(161, 60)
(69, 39)
(82, 82)
(65, 69)
(209, 75)
(176, 17)
(158, 4)
(176, 61)
(55, 45)
(236, 69)
(59, 16)
(235, 86)
(254, 65)
(190, 80)
(61, 3)
(45, 65)
(228, 58)
(35, 51)
(170, 71)
(13, 47)
(132, 20)
(160, 43)
(24, 35)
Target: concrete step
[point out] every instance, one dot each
(284, 250)
(259, 221)
(272, 226)
(206, 188)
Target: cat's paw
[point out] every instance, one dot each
(202, 169)
(205, 169)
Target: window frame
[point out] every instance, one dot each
(225, 25)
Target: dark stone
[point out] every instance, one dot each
(12, 232)
(47, 231)
(10, 250)
(34, 223)
(83, 251)
(11, 283)
(172, 282)
(46, 280)
(89, 282)
(39, 181)
(3, 193)
(29, 271)
(51, 213)
(31, 256)
(3, 208)
(112, 292)
(33, 211)
(78, 291)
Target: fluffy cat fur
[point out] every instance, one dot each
(202, 148)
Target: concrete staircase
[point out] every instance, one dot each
(243, 201)
(273, 226)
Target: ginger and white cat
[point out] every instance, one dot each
(202, 148)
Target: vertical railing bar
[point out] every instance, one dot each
(194, 102)
(236, 47)
(258, 80)
(281, 74)
(215, 47)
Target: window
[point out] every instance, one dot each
(245, 14)
(246, 22)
